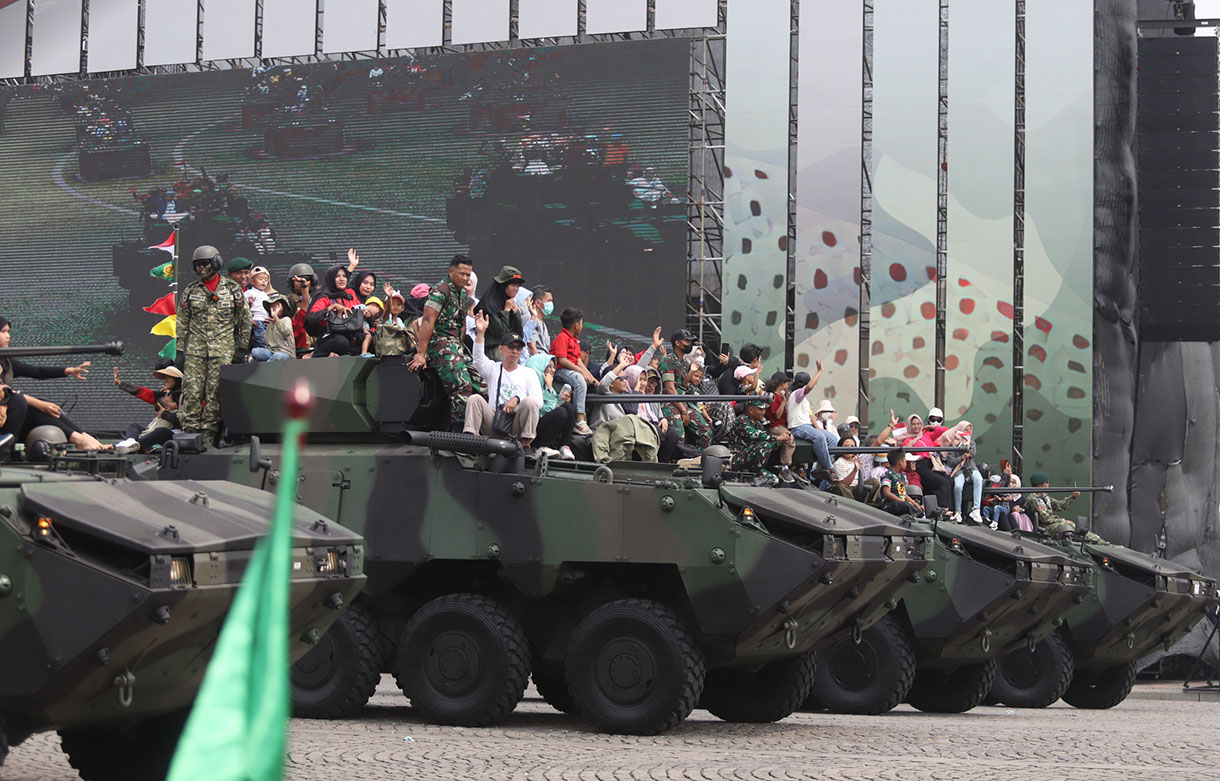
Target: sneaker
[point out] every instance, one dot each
(549, 452)
(582, 428)
(785, 474)
(977, 516)
(126, 446)
(994, 526)
(566, 453)
(800, 478)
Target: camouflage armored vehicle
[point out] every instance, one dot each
(113, 591)
(631, 591)
(1137, 603)
(984, 593)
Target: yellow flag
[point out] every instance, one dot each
(167, 327)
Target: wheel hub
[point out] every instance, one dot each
(316, 667)
(853, 666)
(626, 670)
(453, 663)
(1023, 669)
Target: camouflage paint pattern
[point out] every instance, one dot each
(79, 606)
(758, 573)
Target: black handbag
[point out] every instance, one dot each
(347, 323)
(502, 422)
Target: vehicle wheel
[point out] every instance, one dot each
(769, 693)
(812, 703)
(136, 752)
(339, 674)
(868, 677)
(551, 682)
(634, 668)
(1099, 689)
(463, 660)
(952, 691)
(1034, 679)
(3, 744)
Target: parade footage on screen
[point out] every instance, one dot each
(569, 163)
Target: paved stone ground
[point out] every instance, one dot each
(1141, 739)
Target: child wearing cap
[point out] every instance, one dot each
(256, 297)
(373, 311)
(281, 342)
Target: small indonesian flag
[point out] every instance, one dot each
(168, 244)
(164, 305)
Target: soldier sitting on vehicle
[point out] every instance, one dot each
(1042, 508)
(752, 442)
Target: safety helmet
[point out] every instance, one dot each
(208, 252)
(304, 270)
(41, 441)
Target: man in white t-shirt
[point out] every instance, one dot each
(510, 384)
(801, 417)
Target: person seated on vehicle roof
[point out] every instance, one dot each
(670, 446)
(566, 349)
(998, 508)
(364, 285)
(280, 342)
(166, 372)
(504, 316)
(963, 468)
(892, 495)
(846, 473)
(554, 436)
(158, 431)
(23, 412)
(801, 417)
(914, 480)
(334, 298)
(511, 385)
(692, 426)
(933, 479)
(872, 467)
(752, 443)
(1041, 508)
(374, 310)
(777, 419)
(729, 383)
(617, 379)
(538, 306)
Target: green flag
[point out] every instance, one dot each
(170, 350)
(237, 729)
(164, 271)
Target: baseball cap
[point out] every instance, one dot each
(682, 334)
(512, 338)
(259, 270)
(743, 371)
(510, 274)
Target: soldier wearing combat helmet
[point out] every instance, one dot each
(213, 329)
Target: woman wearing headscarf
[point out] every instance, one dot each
(962, 467)
(21, 413)
(554, 435)
(363, 284)
(501, 309)
(333, 297)
(933, 480)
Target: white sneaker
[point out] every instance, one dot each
(126, 446)
(976, 516)
(549, 452)
(566, 453)
(582, 428)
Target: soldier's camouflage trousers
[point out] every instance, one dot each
(200, 410)
(699, 428)
(448, 356)
(1057, 526)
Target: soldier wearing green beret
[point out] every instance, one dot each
(752, 442)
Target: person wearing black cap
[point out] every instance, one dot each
(511, 386)
(690, 423)
(501, 307)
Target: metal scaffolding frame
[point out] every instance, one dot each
(942, 201)
(1018, 243)
(705, 199)
(790, 236)
(866, 206)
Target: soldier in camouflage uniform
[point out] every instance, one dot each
(752, 442)
(440, 337)
(213, 329)
(682, 417)
(1042, 508)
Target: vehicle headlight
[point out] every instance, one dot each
(331, 564)
(1196, 587)
(180, 572)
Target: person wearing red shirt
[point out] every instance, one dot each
(566, 349)
(777, 416)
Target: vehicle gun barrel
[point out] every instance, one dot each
(1051, 489)
(109, 348)
(667, 398)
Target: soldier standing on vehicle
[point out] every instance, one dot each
(213, 329)
(440, 336)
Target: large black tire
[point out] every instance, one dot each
(463, 660)
(952, 691)
(339, 675)
(1099, 689)
(634, 668)
(3, 744)
(1034, 679)
(869, 677)
(550, 679)
(769, 693)
(135, 752)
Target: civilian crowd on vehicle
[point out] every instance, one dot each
(509, 370)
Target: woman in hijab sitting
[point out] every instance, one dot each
(333, 316)
(501, 309)
(962, 467)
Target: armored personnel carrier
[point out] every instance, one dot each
(1137, 603)
(985, 592)
(113, 591)
(630, 591)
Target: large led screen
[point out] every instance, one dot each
(569, 163)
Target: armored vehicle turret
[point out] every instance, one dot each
(113, 591)
(631, 591)
(1138, 602)
(984, 592)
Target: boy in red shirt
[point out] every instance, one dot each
(777, 418)
(566, 349)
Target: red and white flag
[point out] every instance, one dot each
(168, 244)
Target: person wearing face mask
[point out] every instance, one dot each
(934, 480)
(824, 419)
(962, 467)
(538, 306)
